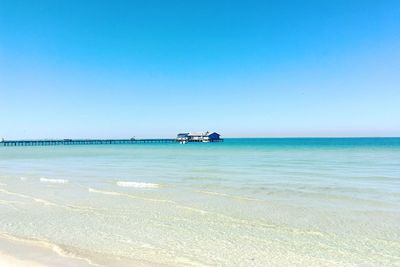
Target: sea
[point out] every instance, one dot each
(241, 202)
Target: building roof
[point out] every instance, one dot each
(202, 134)
(197, 134)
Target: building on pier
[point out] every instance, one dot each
(199, 137)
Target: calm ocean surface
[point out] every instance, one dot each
(244, 202)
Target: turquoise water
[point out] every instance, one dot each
(244, 202)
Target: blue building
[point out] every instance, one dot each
(199, 137)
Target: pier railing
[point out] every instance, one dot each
(82, 142)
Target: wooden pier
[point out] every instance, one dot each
(83, 142)
(182, 138)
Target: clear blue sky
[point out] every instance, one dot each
(242, 68)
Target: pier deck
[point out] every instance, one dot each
(82, 142)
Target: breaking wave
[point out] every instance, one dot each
(137, 184)
(54, 181)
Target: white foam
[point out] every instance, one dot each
(65, 253)
(137, 184)
(227, 195)
(55, 181)
(112, 193)
(39, 200)
(104, 192)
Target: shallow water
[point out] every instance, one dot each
(244, 202)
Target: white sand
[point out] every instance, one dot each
(9, 261)
(14, 253)
(20, 253)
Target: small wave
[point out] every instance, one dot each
(44, 202)
(3, 184)
(212, 193)
(112, 193)
(215, 214)
(10, 204)
(137, 184)
(44, 243)
(68, 254)
(23, 178)
(193, 209)
(54, 181)
(104, 192)
(227, 195)
(7, 202)
(39, 200)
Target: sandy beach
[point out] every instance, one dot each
(31, 253)
(9, 261)
(14, 253)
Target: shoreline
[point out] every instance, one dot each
(18, 252)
